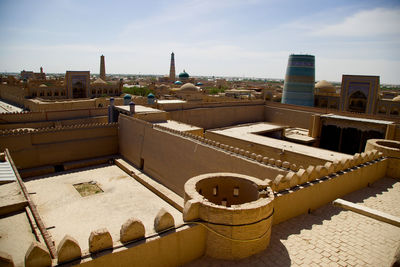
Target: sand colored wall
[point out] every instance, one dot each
(50, 124)
(390, 149)
(173, 249)
(289, 117)
(68, 104)
(317, 110)
(289, 204)
(220, 115)
(19, 117)
(12, 93)
(54, 146)
(271, 152)
(173, 159)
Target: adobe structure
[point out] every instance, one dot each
(241, 180)
(174, 183)
(358, 94)
(34, 89)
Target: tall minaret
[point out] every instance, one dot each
(172, 68)
(102, 68)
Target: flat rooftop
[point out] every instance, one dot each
(170, 101)
(248, 132)
(176, 125)
(15, 230)
(340, 117)
(64, 211)
(139, 109)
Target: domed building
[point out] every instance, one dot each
(183, 76)
(189, 87)
(324, 87)
(325, 95)
(189, 92)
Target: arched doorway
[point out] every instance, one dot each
(358, 102)
(78, 90)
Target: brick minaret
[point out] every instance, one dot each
(172, 68)
(102, 68)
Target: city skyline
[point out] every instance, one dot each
(224, 38)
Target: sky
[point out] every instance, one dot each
(251, 38)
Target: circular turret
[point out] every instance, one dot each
(236, 209)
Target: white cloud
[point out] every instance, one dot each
(376, 22)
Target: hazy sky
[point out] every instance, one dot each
(250, 38)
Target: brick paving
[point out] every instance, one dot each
(331, 236)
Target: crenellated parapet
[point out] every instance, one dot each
(286, 166)
(21, 131)
(69, 250)
(301, 177)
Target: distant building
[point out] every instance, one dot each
(325, 95)
(172, 76)
(77, 84)
(359, 93)
(25, 75)
(102, 68)
(183, 76)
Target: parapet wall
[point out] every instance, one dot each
(54, 124)
(389, 148)
(12, 93)
(305, 190)
(168, 246)
(172, 157)
(52, 146)
(219, 114)
(69, 104)
(268, 151)
(19, 117)
(285, 116)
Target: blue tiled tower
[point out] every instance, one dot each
(299, 83)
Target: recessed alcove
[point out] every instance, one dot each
(228, 190)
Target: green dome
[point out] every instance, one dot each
(183, 74)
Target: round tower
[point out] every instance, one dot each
(299, 83)
(236, 210)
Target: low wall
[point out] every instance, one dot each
(50, 124)
(271, 152)
(390, 149)
(310, 196)
(19, 117)
(69, 104)
(173, 157)
(173, 249)
(12, 93)
(218, 115)
(52, 146)
(286, 116)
